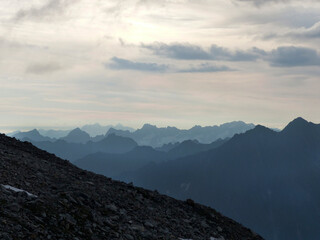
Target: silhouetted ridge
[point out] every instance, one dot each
(258, 132)
(299, 124)
(261, 172)
(44, 197)
(259, 129)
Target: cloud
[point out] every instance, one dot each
(292, 56)
(178, 51)
(310, 33)
(46, 11)
(193, 52)
(124, 64)
(206, 67)
(284, 56)
(262, 2)
(43, 68)
(259, 3)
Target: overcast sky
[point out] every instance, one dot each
(170, 62)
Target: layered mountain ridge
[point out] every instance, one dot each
(149, 135)
(44, 197)
(258, 173)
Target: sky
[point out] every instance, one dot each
(170, 63)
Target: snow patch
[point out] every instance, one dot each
(17, 190)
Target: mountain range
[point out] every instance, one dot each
(153, 136)
(73, 151)
(116, 165)
(44, 197)
(148, 135)
(96, 129)
(32, 135)
(264, 179)
(92, 129)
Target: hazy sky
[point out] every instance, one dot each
(169, 62)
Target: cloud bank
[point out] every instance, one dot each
(124, 64)
(293, 57)
(48, 10)
(193, 52)
(283, 56)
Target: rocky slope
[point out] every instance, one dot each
(44, 197)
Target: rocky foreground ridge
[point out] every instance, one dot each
(44, 197)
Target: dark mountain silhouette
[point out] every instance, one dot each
(116, 165)
(44, 197)
(264, 179)
(72, 151)
(113, 144)
(77, 136)
(156, 137)
(32, 135)
(190, 147)
(113, 165)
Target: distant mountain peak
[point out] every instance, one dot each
(34, 132)
(77, 136)
(76, 130)
(32, 135)
(148, 126)
(261, 128)
(258, 130)
(297, 124)
(299, 121)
